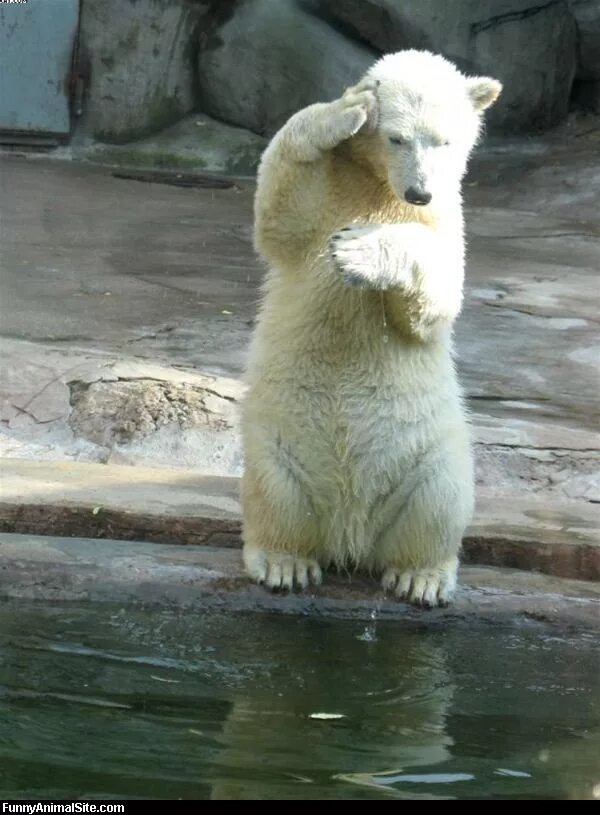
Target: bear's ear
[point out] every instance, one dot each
(483, 91)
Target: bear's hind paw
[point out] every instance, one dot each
(422, 587)
(282, 572)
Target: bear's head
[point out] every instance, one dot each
(429, 119)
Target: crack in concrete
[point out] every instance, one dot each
(510, 446)
(146, 378)
(529, 313)
(511, 16)
(538, 237)
(57, 378)
(33, 416)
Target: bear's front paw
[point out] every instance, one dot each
(362, 260)
(422, 587)
(350, 252)
(369, 257)
(359, 108)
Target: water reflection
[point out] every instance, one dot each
(394, 707)
(100, 702)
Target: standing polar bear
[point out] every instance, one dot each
(356, 443)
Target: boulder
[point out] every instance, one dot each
(139, 66)
(269, 59)
(587, 17)
(145, 420)
(586, 91)
(197, 143)
(530, 47)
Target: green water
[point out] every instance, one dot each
(100, 702)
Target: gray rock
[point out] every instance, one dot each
(272, 58)
(141, 72)
(530, 47)
(533, 52)
(587, 17)
(197, 143)
(586, 95)
(144, 420)
(111, 413)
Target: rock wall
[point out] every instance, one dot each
(530, 47)
(587, 85)
(272, 58)
(138, 57)
(252, 63)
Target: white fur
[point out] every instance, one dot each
(356, 444)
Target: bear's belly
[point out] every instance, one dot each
(356, 448)
(351, 426)
(360, 447)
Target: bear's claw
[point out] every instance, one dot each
(422, 587)
(282, 572)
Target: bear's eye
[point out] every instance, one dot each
(397, 140)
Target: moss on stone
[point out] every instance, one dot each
(160, 111)
(196, 142)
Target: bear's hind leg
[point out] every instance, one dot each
(280, 533)
(418, 551)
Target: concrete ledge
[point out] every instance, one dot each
(558, 538)
(120, 502)
(203, 578)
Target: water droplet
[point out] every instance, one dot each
(369, 633)
(383, 317)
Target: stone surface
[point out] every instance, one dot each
(147, 63)
(171, 506)
(586, 95)
(197, 143)
(141, 270)
(204, 579)
(196, 424)
(139, 66)
(530, 47)
(535, 534)
(58, 404)
(554, 537)
(268, 60)
(586, 90)
(107, 412)
(130, 282)
(587, 17)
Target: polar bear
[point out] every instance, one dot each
(356, 443)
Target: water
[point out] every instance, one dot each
(99, 701)
(369, 633)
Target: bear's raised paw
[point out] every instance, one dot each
(359, 106)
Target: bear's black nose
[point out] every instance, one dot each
(418, 197)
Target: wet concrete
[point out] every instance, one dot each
(200, 578)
